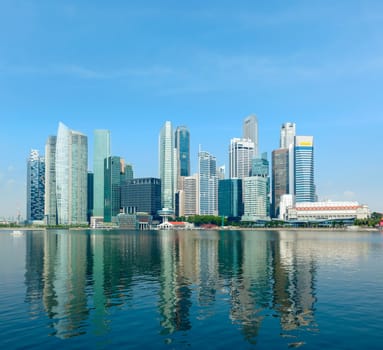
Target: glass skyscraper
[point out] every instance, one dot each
(208, 184)
(167, 165)
(280, 178)
(230, 202)
(71, 176)
(304, 169)
(250, 131)
(113, 168)
(35, 186)
(101, 151)
(182, 145)
(50, 210)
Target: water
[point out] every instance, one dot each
(191, 289)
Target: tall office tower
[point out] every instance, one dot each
(101, 150)
(71, 176)
(304, 169)
(241, 154)
(230, 203)
(50, 209)
(191, 195)
(141, 195)
(256, 189)
(208, 184)
(113, 170)
(280, 178)
(167, 166)
(90, 197)
(35, 186)
(287, 135)
(250, 131)
(182, 145)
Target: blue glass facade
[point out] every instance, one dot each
(304, 169)
(230, 202)
(182, 144)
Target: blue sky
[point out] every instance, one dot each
(128, 66)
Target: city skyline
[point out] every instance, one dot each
(134, 66)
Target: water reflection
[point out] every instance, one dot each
(184, 277)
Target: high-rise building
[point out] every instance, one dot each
(256, 189)
(230, 202)
(250, 131)
(167, 166)
(50, 209)
(182, 145)
(90, 195)
(101, 151)
(287, 135)
(280, 178)
(35, 186)
(241, 154)
(208, 184)
(141, 195)
(113, 169)
(191, 195)
(71, 176)
(304, 169)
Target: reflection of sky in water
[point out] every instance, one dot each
(177, 288)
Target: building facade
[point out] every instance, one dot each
(182, 145)
(230, 200)
(113, 170)
(304, 169)
(141, 195)
(191, 195)
(50, 206)
(208, 204)
(280, 178)
(256, 191)
(35, 187)
(71, 176)
(167, 166)
(101, 151)
(287, 135)
(327, 211)
(241, 154)
(250, 131)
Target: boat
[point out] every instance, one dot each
(16, 233)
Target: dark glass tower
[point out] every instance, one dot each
(182, 145)
(230, 203)
(35, 186)
(112, 177)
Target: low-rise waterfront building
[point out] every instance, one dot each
(327, 210)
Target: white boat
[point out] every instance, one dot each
(16, 233)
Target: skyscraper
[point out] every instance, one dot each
(287, 135)
(101, 150)
(50, 209)
(35, 186)
(230, 202)
(304, 169)
(113, 170)
(167, 166)
(280, 177)
(241, 154)
(250, 131)
(208, 184)
(182, 145)
(256, 189)
(71, 176)
(191, 195)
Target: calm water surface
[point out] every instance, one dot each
(191, 289)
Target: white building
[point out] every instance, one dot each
(327, 210)
(241, 154)
(190, 195)
(255, 198)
